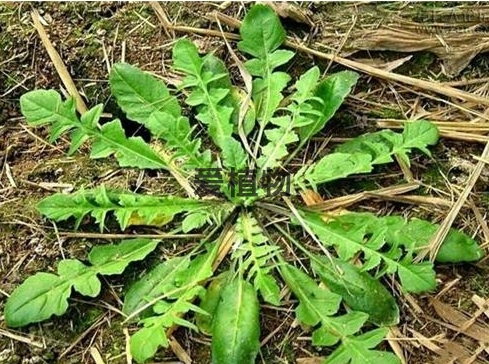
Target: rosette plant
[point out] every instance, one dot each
(207, 124)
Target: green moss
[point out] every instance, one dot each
(390, 113)
(433, 177)
(478, 284)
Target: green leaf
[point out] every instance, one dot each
(169, 280)
(40, 107)
(129, 152)
(316, 304)
(358, 289)
(170, 290)
(261, 34)
(331, 93)
(128, 208)
(194, 220)
(236, 326)
(351, 239)
(109, 139)
(210, 99)
(140, 95)
(332, 167)
(177, 133)
(316, 308)
(147, 100)
(418, 277)
(419, 134)
(361, 154)
(145, 342)
(416, 234)
(383, 145)
(46, 294)
(301, 113)
(256, 254)
(358, 350)
(209, 302)
(159, 280)
(267, 95)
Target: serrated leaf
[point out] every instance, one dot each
(177, 133)
(108, 139)
(316, 304)
(209, 97)
(128, 208)
(331, 92)
(46, 294)
(358, 350)
(300, 114)
(236, 325)
(146, 341)
(361, 154)
(414, 277)
(358, 289)
(256, 254)
(383, 145)
(261, 34)
(415, 234)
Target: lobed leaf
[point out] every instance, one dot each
(413, 235)
(255, 251)
(383, 145)
(316, 308)
(413, 277)
(146, 99)
(169, 279)
(300, 113)
(169, 290)
(109, 139)
(262, 35)
(361, 154)
(358, 289)
(146, 341)
(210, 97)
(358, 350)
(177, 133)
(128, 208)
(45, 294)
(331, 93)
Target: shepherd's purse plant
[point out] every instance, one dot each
(337, 282)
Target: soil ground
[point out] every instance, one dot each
(92, 36)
